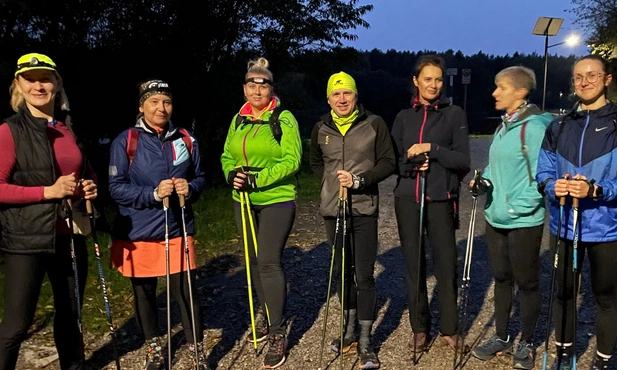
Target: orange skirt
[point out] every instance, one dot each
(147, 259)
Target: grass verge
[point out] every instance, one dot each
(216, 235)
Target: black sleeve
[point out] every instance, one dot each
(315, 154)
(457, 158)
(385, 159)
(404, 168)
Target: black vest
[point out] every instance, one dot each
(30, 228)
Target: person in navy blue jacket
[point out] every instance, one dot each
(578, 160)
(149, 162)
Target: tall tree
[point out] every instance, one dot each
(599, 18)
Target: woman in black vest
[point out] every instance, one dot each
(41, 167)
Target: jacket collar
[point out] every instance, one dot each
(438, 104)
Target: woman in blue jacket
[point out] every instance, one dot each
(149, 162)
(514, 213)
(578, 160)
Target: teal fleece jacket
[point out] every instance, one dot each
(514, 201)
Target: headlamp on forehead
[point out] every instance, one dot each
(156, 85)
(259, 80)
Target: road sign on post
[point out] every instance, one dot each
(451, 72)
(466, 80)
(466, 76)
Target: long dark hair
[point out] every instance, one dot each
(427, 60)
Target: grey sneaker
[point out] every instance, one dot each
(277, 352)
(525, 356)
(495, 346)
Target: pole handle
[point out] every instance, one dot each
(575, 202)
(166, 202)
(182, 200)
(89, 209)
(344, 195)
(562, 201)
(69, 203)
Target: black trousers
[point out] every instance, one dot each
(440, 227)
(146, 311)
(23, 278)
(360, 255)
(272, 228)
(603, 268)
(514, 255)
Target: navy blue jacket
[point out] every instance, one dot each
(587, 145)
(141, 217)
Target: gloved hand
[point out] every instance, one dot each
(240, 180)
(231, 176)
(250, 182)
(479, 185)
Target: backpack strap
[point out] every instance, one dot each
(525, 151)
(133, 138)
(274, 122)
(131, 144)
(523, 148)
(186, 137)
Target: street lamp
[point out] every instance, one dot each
(546, 26)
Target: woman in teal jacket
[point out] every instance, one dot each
(514, 212)
(262, 154)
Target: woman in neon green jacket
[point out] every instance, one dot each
(261, 156)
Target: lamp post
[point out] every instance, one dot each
(546, 26)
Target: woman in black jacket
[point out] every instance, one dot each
(436, 132)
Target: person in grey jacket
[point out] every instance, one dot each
(351, 147)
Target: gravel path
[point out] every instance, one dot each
(306, 261)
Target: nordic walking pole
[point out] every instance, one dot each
(182, 200)
(97, 253)
(69, 208)
(549, 314)
(575, 236)
(420, 257)
(333, 249)
(467, 273)
(254, 236)
(247, 261)
(167, 268)
(343, 245)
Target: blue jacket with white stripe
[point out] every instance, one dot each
(131, 185)
(585, 143)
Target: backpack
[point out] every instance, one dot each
(133, 137)
(273, 122)
(523, 148)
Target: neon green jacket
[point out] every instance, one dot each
(253, 145)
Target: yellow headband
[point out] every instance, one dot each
(341, 80)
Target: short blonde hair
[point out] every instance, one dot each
(521, 77)
(18, 101)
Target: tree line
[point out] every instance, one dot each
(105, 48)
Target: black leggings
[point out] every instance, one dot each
(514, 255)
(146, 310)
(360, 256)
(272, 227)
(439, 225)
(603, 268)
(23, 278)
